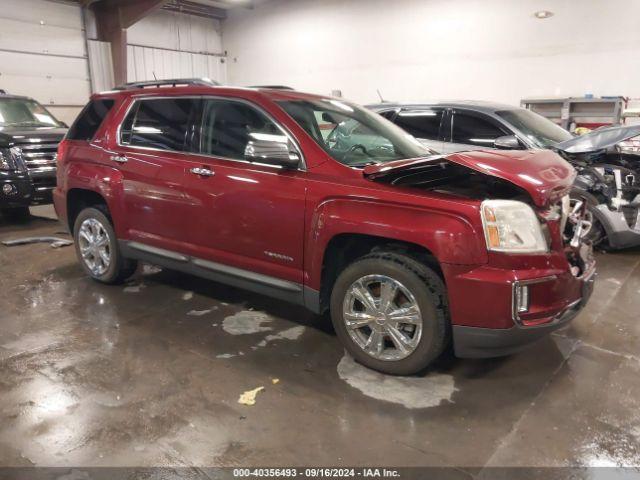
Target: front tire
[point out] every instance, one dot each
(390, 312)
(97, 248)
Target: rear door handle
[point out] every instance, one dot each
(204, 172)
(119, 158)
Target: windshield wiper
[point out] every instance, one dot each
(367, 163)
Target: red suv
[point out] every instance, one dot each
(320, 202)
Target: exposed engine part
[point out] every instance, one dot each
(611, 181)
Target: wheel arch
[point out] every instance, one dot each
(344, 248)
(436, 233)
(80, 198)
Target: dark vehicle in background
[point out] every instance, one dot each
(608, 179)
(29, 138)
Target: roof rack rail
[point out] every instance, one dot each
(274, 87)
(172, 82)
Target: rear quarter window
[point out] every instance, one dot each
(90, 119)
(159, 123)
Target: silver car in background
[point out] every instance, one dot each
(608, 179)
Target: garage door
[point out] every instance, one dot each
(43, 54)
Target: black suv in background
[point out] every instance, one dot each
(29, 137)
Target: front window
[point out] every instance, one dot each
(540, 130)
(228, 126)
(20, 112)
(353, 135)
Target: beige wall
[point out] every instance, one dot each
(438, 49)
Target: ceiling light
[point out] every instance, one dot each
(543, 14)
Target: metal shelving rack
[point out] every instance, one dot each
(581, 111)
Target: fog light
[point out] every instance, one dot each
(9, 189)
(521, 299)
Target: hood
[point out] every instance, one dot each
(17, 135)
(599, 139)
(541, 173)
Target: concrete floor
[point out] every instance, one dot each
(149, 374)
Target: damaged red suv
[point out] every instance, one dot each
(317, 201)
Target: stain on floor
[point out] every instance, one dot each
(423, 391)
(246, 322)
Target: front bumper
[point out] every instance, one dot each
(21, 190)
(474, 342)
(620, 233)
(43, 181)
(34, 187)
(482, 299)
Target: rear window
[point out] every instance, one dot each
(90, 119)
(160, 123)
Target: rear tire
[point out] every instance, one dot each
(413, 322)
(97, 248)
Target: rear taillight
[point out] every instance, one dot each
(63, 146)
(61, 158)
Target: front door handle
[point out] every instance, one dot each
(204, 172)
(119, 158)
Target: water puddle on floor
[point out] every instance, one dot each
(292, 333)
(411, 392)
(246, 322)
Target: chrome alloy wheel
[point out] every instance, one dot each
(93, 241)
(382, 317)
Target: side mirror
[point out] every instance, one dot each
(327, 117)
(507, 142)
(272, 150)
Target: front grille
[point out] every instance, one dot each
(39, 158)
(631, 216)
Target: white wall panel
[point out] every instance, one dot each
(32, 37)
(146, 63)
(42, 66)
(177, 31)
(42, 54)
(66, 114)
(438, 49)
(101, 65)
(173, 45)
(60, 14)
(54, 90)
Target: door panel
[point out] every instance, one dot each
(154, 137)
(154, 198)
(246, 215)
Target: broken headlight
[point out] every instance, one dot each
(511, 226)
